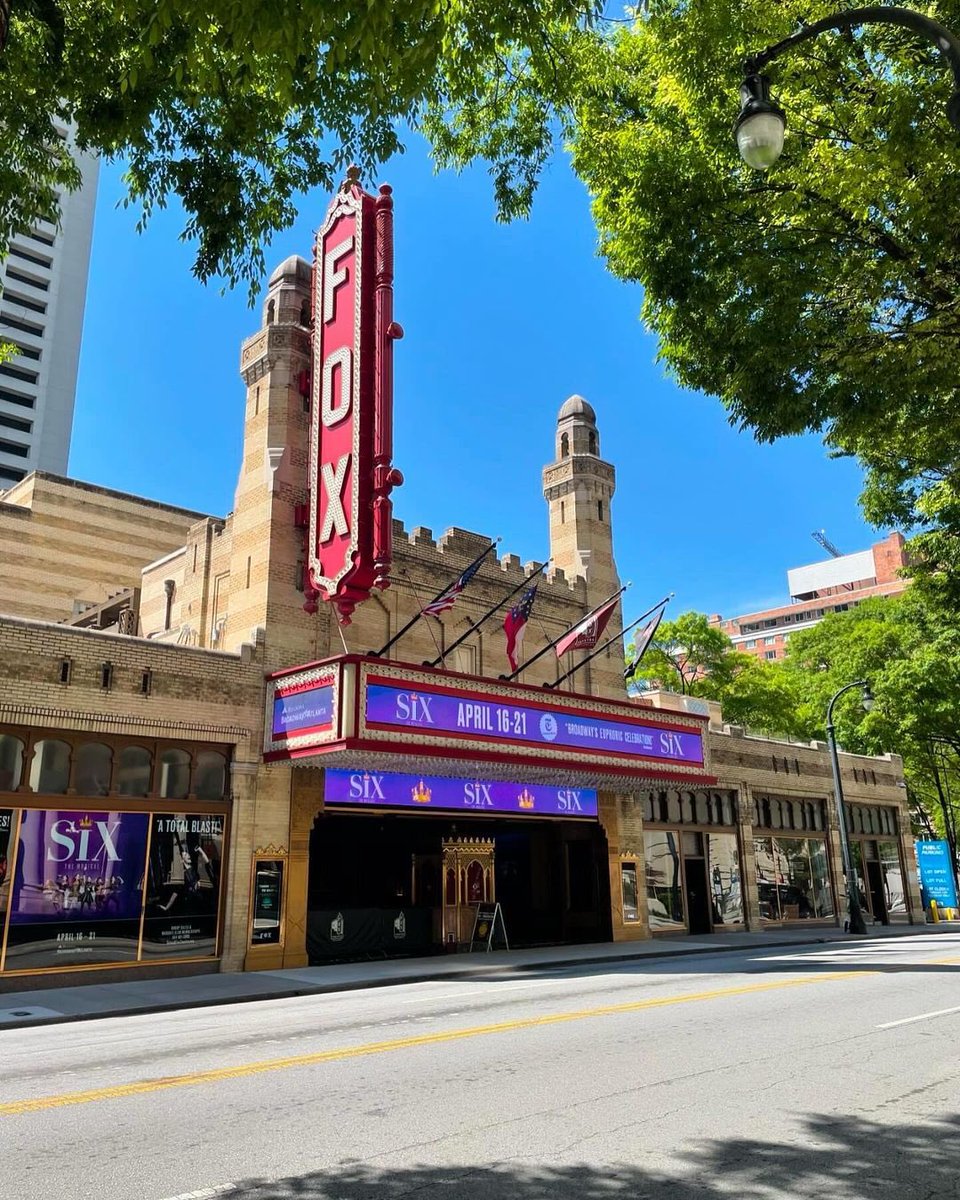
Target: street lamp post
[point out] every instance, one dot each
(856, 921)
(760, 126)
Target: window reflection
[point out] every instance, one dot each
(94, 764)
(726, 890)
(133, 771)
(50, 769)
(211, 775)
(893, 885)
(793, 881)
(175, 774)
(628, 887)
(664, 879)
(11, 762)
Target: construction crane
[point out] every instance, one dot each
(820, 536)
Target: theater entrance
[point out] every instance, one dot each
(386, 884)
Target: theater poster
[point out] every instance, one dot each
(7, 818)
(183, 886)
(75, 895)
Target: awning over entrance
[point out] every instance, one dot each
(361, 714)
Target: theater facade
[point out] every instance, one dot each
(202, 769)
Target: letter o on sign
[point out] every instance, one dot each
(332, 411)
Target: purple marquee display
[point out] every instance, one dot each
(298, 711)
(458, 795)
(466, 716)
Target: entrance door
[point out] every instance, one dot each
(698, 895)
(878, 901)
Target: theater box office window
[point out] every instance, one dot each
(112, 851)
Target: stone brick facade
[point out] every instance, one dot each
(221, 606)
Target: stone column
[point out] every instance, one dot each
(306, 801)
(748, 858)
(620, 815)
(243, 791)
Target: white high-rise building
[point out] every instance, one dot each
(44, 281)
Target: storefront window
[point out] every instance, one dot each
(664, 879)
(894, 890)
(50, 769)
(793, 882)
(628, 888)
(133, 771)
(94, 764)
(174, 774)
(11, 762)
(726, 892)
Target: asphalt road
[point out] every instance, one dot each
(828, 1072)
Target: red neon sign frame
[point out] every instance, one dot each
(351, 476)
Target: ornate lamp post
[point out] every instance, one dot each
(760, 126)
(857, 924)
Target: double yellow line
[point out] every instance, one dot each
(143, 1087)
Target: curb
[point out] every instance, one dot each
(426, 976)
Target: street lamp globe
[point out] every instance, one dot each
(760, 126)
(867, 698)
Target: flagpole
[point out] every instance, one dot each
(530, 661)
(609, 642)
(489, 613)
(410, 624)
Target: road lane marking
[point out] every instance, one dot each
(941, 1012)
(143, 1087)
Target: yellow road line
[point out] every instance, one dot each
(41, 1103)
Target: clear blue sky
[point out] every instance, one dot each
(502, 324)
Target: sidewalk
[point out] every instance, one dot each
(48, 1006)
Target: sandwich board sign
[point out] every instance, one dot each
(485, 924)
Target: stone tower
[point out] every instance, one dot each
(267, 546)
(578, 488)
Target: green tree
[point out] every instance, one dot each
(909, 650)
(695, 658)
(236, 106)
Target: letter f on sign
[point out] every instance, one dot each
(332, 278)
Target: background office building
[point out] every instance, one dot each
(833, 585)
(44, 290)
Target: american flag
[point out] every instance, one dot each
(448, 597)
(514, 622)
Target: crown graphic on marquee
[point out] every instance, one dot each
(525, 799)
(85, 823)
(421, 793)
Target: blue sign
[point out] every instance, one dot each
(299, 711)
(464, 795)
(936, 874)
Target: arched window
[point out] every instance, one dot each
(94, 766)
(271, 312)
(50, 769)
(564, 445)
(134, 768)
(599, 510)
(305, 313)
(11, 762)
(210, 777)
(450, 891)
(592, 442)
(174, 774)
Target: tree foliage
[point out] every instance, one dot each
(823, 294)
(695, 658)
(235, 106)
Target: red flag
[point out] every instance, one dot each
(514, 623)
(586, 635)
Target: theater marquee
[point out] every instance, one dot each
(358, 713)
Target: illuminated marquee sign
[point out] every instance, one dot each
(477, 796)
(351, 476)
(391, 705)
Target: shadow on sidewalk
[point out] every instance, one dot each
(831, 1158)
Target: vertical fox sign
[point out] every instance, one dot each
(351, 435)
